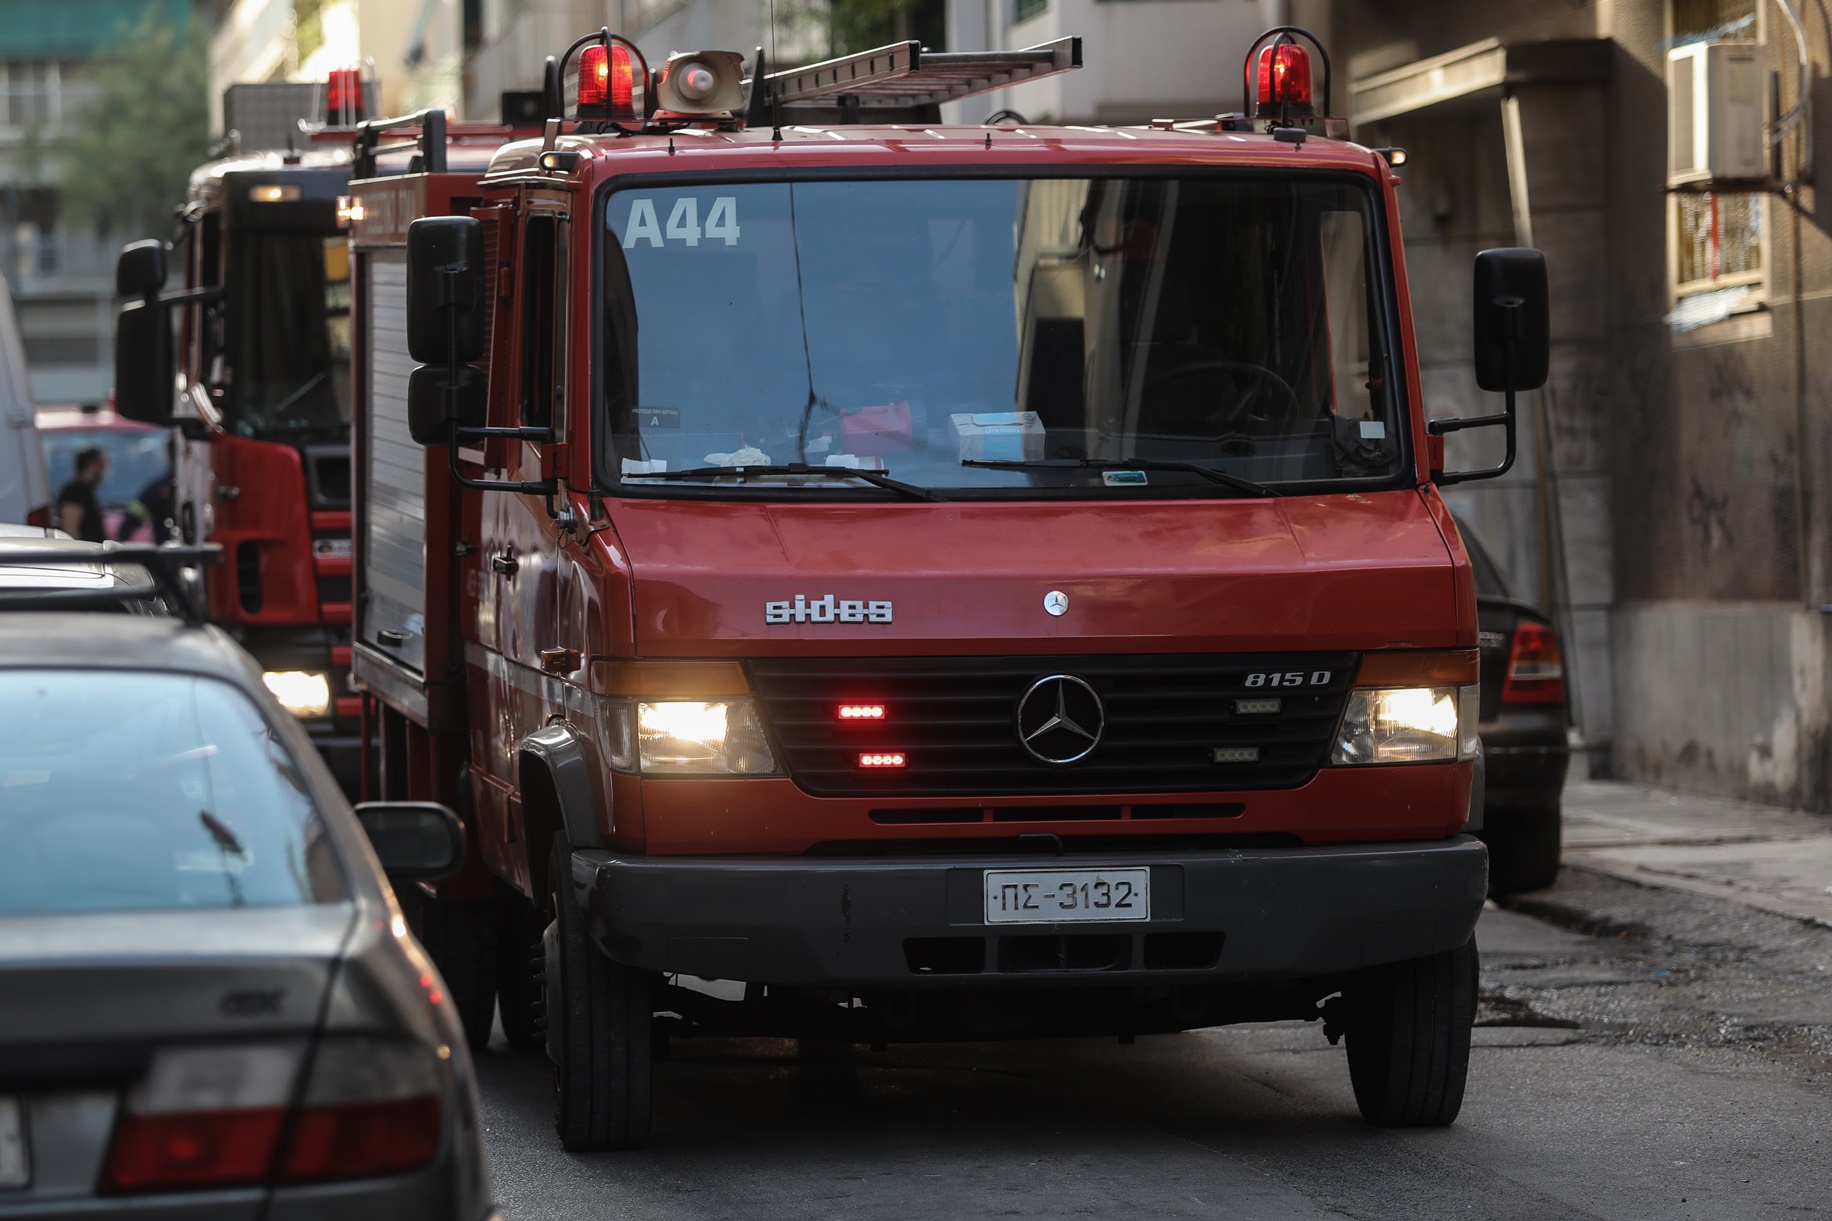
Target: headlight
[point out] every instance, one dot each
(687, 738)
(300, 693)
(1408, 725)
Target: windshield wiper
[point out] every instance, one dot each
(1246, 486)
(875, 478)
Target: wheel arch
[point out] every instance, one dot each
(554, 783)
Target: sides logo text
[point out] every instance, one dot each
(826, 609)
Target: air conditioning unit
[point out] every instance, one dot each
(1715, 114)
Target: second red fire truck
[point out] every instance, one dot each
(256, 389)
(956, 582)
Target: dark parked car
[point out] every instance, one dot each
(1524, 731)
(210, 1005)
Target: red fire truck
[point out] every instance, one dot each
(945, 582)
(257, 393)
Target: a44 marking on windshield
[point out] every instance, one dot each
(684, 224)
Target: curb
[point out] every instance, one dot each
(1809, 912)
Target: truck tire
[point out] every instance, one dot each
(460, 937)
(599, 1029)
(1408, 1037)
(1523, 849)
(518, 969)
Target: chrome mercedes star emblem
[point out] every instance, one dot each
(1060, 719)
(1056, 602)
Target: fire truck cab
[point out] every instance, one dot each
(954, 582)
(254, 381)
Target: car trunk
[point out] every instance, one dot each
(91, 998)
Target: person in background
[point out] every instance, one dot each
(79, 510)
(153, 506)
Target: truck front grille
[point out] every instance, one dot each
(1172, 723)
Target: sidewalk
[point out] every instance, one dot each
(1775, 860)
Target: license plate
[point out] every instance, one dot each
(15, 1164)
(1064, 896)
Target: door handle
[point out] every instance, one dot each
(392, 638)
(505, 564)
(559, 661)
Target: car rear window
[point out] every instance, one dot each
(1489, 581)
(147, 791)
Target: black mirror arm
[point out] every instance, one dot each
(186, 296)
(1511, 328)
(534, 487)
(451, 304)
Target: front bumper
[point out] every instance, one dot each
(1281, 913)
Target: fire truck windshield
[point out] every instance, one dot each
(1061, 328)
(288, 336)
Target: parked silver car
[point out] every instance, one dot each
(65, 581)
(210, 1005)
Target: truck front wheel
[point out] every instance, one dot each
(599, 1023)
(1408, 1035)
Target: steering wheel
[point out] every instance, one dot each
(1240, 408)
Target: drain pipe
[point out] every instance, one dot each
(1801, 116)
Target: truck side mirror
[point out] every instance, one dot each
(140, 271)
(417, 841)
(430, 401)
(143, 362)
(1513, 319)
(1513, 333)
(143, 336)
(445, 305)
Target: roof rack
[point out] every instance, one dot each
(165, 564)
(904, 75)
(426, 132)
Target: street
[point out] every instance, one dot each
(929, 610)
(1619, 1075)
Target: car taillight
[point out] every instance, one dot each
(40, 517)
(204, 1117)
(1536, 668)
(220, 1116)
(373, 1107)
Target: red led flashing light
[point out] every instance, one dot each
(861, 712)
(343, 97)
(607, 79)
(1284, 77)
(882, 760)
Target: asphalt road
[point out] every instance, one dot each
(1613, 1077)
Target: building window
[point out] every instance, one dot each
(30, 90)
(1719, 240)
(1717, 235)
(1026, 9)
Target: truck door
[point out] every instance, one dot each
(517, 542)
(200, 356)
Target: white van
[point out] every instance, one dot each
(25, 493)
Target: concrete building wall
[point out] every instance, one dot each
(1142, 59)
(414, 48)
(517, 42)
(1548, 522)
(1691, 466)
(1721, 473)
